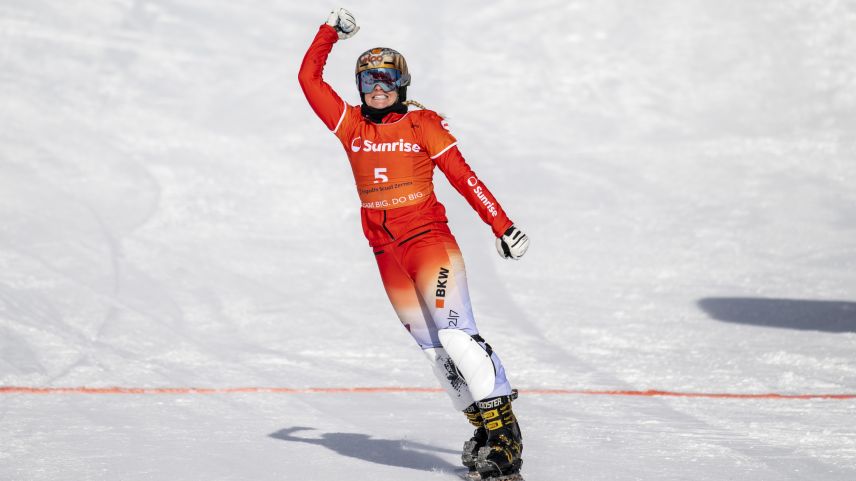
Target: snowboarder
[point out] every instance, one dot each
(393, 152)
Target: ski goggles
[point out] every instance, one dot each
(389, 79)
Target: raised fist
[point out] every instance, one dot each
(344, 23)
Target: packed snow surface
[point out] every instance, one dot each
(173, 215)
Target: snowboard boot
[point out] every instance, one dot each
(478, 441)
(500, 458)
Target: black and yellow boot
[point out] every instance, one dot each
(500, 458)
(478, 441)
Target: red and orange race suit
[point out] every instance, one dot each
(393, 162)
(419, 260)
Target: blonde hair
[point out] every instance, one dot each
(420, 106)
(415, 104)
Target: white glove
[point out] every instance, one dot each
(344, 23)
(512, 244)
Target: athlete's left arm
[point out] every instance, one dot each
(465, 181)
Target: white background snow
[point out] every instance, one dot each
(172, 214)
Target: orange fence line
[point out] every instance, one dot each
(395, 389)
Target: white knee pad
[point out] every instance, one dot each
(472, 360)
(449, 378)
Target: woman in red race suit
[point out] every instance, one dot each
(393, 152)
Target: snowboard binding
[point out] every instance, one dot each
(494, 451)
(471, 449)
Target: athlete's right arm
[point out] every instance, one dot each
(326, 103)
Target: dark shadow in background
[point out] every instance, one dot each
(825, 316)
(399, 453)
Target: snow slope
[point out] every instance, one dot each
(172, 214)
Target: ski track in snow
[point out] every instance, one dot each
(173, 215)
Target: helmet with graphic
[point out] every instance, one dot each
(385, 67)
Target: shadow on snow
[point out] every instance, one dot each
(825, 316)
(391, 452)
